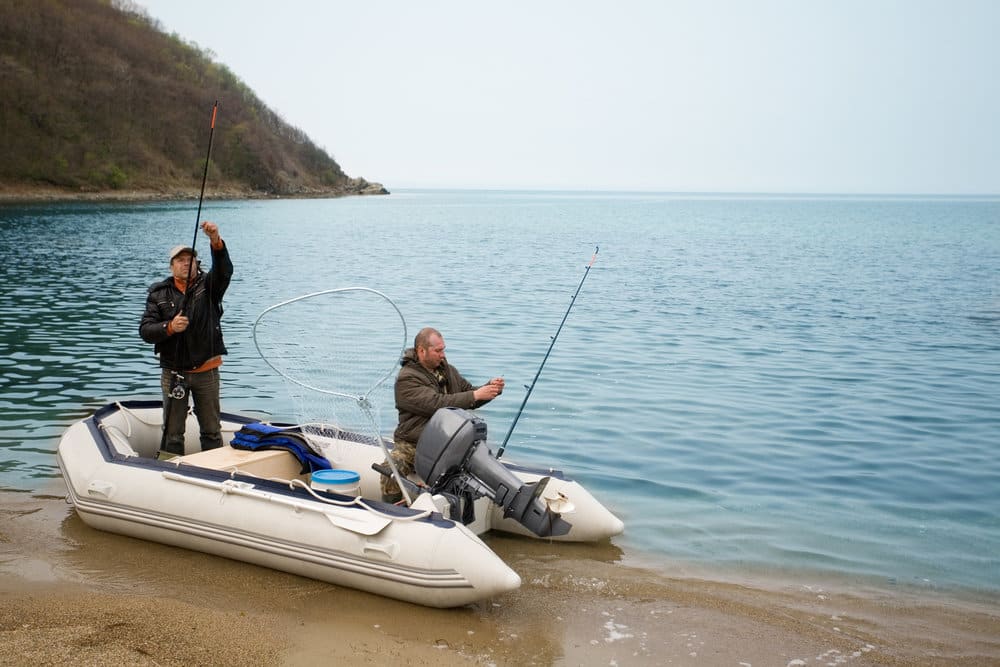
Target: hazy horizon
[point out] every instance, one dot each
(776, 96)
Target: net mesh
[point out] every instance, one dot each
(337, 351)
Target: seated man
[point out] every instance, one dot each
(427, 382)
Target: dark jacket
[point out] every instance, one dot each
(202, 340)
(419, 395)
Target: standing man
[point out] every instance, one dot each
(427, 382)
(182, 320)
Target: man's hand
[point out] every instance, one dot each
(211, 230)
(179, 323)
(489, 391)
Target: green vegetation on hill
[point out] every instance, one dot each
(95, 97)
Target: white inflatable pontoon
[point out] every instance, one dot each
(266, 506)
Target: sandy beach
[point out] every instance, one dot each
(69, 593)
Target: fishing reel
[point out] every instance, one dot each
(178, 386)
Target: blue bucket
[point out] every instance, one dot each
(345, 482)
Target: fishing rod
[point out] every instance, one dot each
(201, 198)
(551, 345)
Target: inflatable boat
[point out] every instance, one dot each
(312, 506)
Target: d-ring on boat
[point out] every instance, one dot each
(267, 497)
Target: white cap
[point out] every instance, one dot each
(178, 249)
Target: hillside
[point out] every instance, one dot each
(97, 100)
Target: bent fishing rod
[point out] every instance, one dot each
(544, 359)
(201, 198)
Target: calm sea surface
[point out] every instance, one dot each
(769, 384)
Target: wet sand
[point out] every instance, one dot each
(69, 593)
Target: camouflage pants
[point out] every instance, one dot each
(403, 453)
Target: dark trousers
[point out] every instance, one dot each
(204, 389)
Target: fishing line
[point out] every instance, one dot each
(529, 388)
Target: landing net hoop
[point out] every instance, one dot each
(337, 350)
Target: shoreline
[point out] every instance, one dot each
(71, 592)
(37, 195)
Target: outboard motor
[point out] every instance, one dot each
(453, 459)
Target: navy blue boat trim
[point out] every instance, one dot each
(111, 455)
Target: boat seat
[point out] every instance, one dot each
(278, 463)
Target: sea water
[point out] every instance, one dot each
(753, 384)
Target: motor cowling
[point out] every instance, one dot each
(453, 459)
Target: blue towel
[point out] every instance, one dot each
(264, 436)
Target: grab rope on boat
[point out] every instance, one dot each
(247, 489)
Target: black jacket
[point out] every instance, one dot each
(202, 340)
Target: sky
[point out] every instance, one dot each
(749, 96)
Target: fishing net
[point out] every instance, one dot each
(337, 351)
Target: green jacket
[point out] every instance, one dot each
(419, 395)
